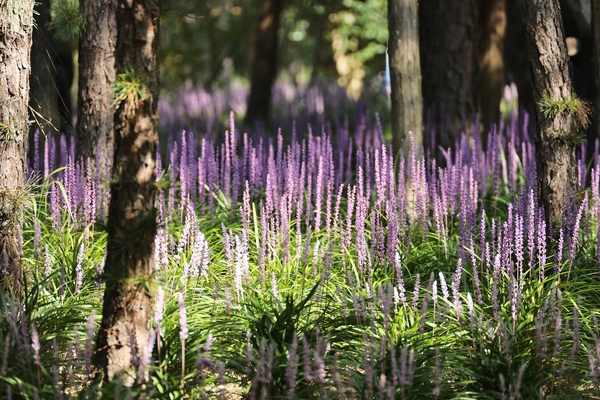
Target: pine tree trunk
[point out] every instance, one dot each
(516, 56)
(551, 69)
(448, 43)
(95, 114)
(405, 72)
(264, 69)
(43, 92)
(596, 39)
(16, 27)
(493, 25)
(127, 308)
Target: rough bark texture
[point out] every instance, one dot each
(516, 56)
(43, 92)
(448, 43)
(95, 113)
(127, 308)
(491, 65)
(15, 45)
(551, 70)
(264, 69)
(405, 72)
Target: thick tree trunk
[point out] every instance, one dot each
(552, 84)
(43, 92)
(95, 112)
(448, 43)
(405, 72)
(264, 69)
(16, 26)
(127, 308)
(517, 59)
(493, 25)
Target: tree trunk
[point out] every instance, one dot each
(43, 92)
(551, 69)
(516, 56)
(596, 29)
(16, 27)
(264, 69)
(127, 308)
(491, 64)
(95, 114)
(405, 72)
(448, 43)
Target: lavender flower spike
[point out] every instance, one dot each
(183, 328)
(160, 304)
(35, 344)
(79, 268)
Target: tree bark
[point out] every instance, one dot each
(127, 308)
(43, 92)
(448, 44)
(264, 69)
(491, 65)
(596, 39)
(551, 70)
(95, 114)
(405, 72)
(516, 56)
(15, 44)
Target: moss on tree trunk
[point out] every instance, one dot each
(127, 308)
(16, 27)
(552, 92)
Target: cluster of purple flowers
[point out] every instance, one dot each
(348, 199)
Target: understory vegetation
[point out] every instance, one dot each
(318, 267)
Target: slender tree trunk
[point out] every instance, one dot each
(43, 92)
(579, 29)
(65, 73)
(448, 43)
(491, 64)
(318, 30)
(264, 69)
(405, 72)
(127, 308)
(551, 69)
(95, 113)
(596, 39)
(16, 27)
(516, 56)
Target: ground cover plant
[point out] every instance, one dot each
(318, 267)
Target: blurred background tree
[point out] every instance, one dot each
(469, 51)
(206, 42)
(210, 42)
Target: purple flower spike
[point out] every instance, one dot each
(35, 344)
(37, 237)
(159, 307)
(79, 267)
(582, 208)
(183, 328)
(292, 367)
(47, 262)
